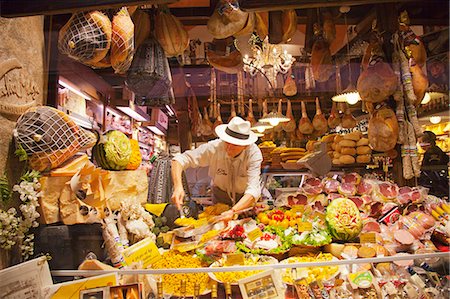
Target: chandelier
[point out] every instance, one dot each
(269, 60)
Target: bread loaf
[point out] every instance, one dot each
(355, 136)
(348, 151)
(347, 143)
(363, 159)
(336, 155)
(347, 159)
(336, 162)
(362, 141)
(363, 150)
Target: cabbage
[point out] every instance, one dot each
(113, 151)
(343, 219)
(312, 238)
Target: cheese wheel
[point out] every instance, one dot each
(363, 150)
(362, 141)
(347, 143)
(363, 159)
(338, 138)
(348, 151)
(355, 136)
(347, 159)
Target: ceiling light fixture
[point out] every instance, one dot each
(274, 118)
(268, 59)
(74, 90)
(260, 127)
(350, 94)
(435, 119)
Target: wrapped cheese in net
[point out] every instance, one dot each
(122, 41)
(86, 37)
(49, 137)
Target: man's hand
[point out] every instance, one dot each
(225, 216)
(178, 196)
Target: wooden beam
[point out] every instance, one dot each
(275, 28)
(268, 5)
(22, 8)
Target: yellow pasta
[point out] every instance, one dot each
(312, 273)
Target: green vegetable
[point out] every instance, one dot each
(312, 238)
(158, 222)
(343, 219)
(156, 230)
(165, 229)
(166, 246)
(5, 189)
(159, 241)
(113, 151)
(286, 242)
(163, 219)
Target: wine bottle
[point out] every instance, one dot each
(214, 291)
(228, 290)
(183, 289)
(196, 291)
(159, 290)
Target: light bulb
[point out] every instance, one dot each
(426, 99)
(274, 122)
(435, 119)
(260, 129)
(352, 98)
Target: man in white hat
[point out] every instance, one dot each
(234, 162)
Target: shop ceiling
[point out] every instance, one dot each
(197, 12)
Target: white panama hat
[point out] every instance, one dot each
(236, 132)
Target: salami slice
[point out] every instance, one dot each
(312, 186)
(347, 189)
(330, 185)
(365, 187)
(351, 178)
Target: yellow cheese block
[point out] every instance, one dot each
(128, 185)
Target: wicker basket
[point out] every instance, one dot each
(265, 150)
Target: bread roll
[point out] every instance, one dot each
(363, 159)
(333, 146)
(331, 154)
(346, 159)
(328, 138)
(363, 150)
(362, 141)
(355, 136)
(336, 155)
(338, 148)
(338, 138)
(347, 143)
(348, 151)
(336, 162)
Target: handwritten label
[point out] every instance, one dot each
(235, 259)
(304, 226)
(367, 238)
(144, 251)
(254, 234)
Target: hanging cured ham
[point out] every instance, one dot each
(233, 111)
(227, 19)
(412, 43)
(304, 124)
(334, 119)
(329, 29)
(383, 130)
(419, 82)
(348, 120)
(321, 60)
(219, 117)
(378, 81)
(251, 117)
(291, 124)
(207, 126)
(289, 88)
(279, 128)
(319, 121)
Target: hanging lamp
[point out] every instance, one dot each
(349, 95)
(274, 118)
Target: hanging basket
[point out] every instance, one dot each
(149, 75)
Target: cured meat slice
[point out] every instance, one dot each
(357, 200)
(330, 185)
(333, 196)
(387, 191)
(371, 225)
(375, 209)
(299, 199)
(367, 199)
(312, 186)
(351, 178)
(365, 187)
(404, 195)
(347, 189)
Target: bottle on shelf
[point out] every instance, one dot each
(214, 291)
(196, 291)
(183, 289)
(159, 290)
(228, 294)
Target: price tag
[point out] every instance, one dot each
(319, 215)
(144, 251)
(254, 234)
(235, 259)
(304, 226)
(367, 238)
(362, 279)
(261, 286)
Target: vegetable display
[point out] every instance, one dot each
(113, 151)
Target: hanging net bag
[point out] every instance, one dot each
(122, 41)
(49, 137)
(86, 37)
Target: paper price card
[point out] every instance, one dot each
(254, 234)
(304, 226)
(367, 238)
(144, 251)
(261, 286)
(235, 259)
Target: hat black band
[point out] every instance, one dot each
(236, 134)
